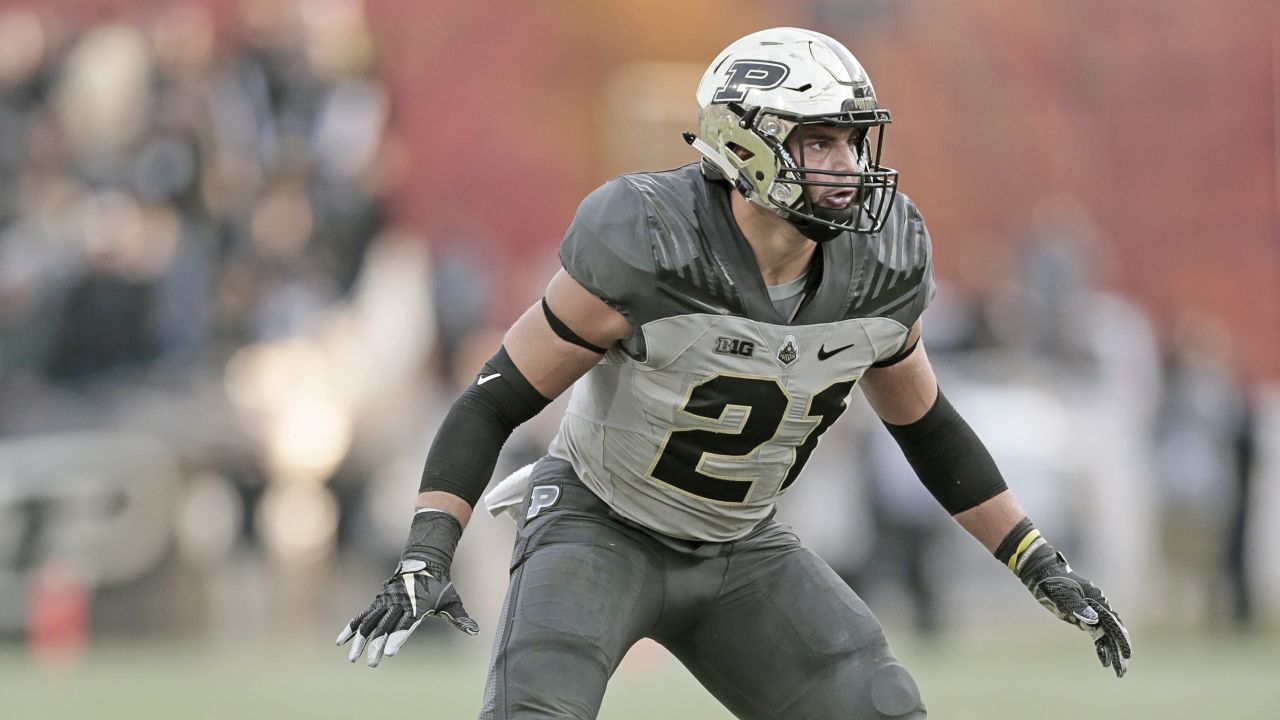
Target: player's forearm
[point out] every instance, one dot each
(447, 501)
(992, 520)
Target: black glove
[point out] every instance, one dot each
(1066, 593)
(420, 587)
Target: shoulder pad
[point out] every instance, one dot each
(897, 281)
(607, 248)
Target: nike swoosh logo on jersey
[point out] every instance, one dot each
(823, 354)
(486, 378)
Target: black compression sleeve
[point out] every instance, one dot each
(949, 458)
(466, 446)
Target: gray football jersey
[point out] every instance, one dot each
(696, 423)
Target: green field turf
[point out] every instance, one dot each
(1048, 676)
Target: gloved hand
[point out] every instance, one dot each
(419, 588)
(1067, 594)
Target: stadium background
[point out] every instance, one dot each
(249, 250)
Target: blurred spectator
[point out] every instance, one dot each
(909, 526)
(169, 198)
(1240, 579)
(1199, 465)
(463, 288)
(165, 199)
(1049, 310)
(107, 320)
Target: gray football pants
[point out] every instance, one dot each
(763, 623)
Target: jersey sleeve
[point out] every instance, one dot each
(609, 251)
(908, 256)
(923, 245)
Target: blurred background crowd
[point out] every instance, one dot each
(250, 250)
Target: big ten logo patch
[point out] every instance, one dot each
(734, 346)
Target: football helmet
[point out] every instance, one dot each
(772, 83)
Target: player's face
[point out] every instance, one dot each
(826, 148)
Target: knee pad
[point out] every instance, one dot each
(894, 693)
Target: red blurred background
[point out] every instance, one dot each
(1157, 119)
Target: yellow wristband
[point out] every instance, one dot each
(1025, 545)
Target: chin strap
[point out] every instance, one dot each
(815, 231)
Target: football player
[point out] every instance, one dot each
(713, 320)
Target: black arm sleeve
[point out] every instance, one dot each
(949, 458)
(467, 444)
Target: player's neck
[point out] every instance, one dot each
(782, 253)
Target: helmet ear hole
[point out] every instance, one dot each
(741, 152)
